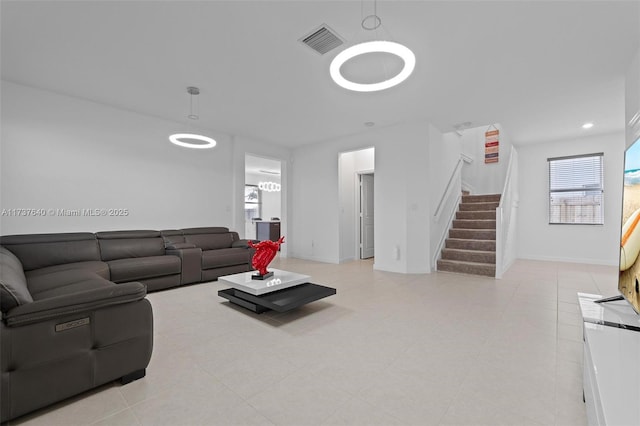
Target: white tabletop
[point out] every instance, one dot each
(280, 280)
(608, 313)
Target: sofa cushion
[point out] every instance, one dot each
(96, 266)
(210, 241)
(127, 244)
(225, 257)
(40, 283)
(41, 250)
(13, 284)
(123, 270)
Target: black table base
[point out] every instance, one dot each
(279, 301)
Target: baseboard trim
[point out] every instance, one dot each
(569, 260)
(314, 259)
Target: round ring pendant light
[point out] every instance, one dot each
(181, 139)
(391, 47)
(269, 186)
(188, 140)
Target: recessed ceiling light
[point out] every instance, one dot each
(587, 125)
(369, 123)
(373, 47)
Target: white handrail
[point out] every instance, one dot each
(446, 190)
(447, 206)
(466, 158)
(445, 234)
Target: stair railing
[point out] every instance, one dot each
(506, 216)
(452, 180)
(466, 186)
(448, 202)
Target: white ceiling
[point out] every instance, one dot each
(261, 166)
(541, 69)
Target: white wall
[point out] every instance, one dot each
(574, 243)
(350, 164)
(481, 178)
(632, 100)
(401, 201)
(60, 152)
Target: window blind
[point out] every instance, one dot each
(576, 193)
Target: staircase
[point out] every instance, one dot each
(471, 246)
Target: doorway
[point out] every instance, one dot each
(366, 216)
(262, 194)
(351, 165)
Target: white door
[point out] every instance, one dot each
(366, 216)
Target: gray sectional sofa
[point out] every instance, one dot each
(73, 309)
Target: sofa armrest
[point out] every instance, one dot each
(191, 263)
(242, 243)
(179, 246)
(81, 301)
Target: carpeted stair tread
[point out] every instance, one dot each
(479, 215)
(480, 256)
(474, 268)
(473, 234)
(470, 244)
(474, 223)
(481, 198)
(466, 207)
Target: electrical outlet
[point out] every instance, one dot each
(396, 253)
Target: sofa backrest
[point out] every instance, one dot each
(13, 284)
(172, 236)
(210, 238)
(127, 244)
(37, 251)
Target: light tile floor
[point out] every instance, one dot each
(388, 349)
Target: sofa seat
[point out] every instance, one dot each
(225, 257)
(138, 268)
(96, 266)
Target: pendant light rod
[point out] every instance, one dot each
(192, 91)
(374, 19)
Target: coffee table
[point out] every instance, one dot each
(282, 292)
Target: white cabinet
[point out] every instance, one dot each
(611, 362)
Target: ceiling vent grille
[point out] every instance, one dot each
(322, 39)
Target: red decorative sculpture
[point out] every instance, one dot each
(265, 252)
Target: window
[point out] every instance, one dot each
(576, 192)
(252, 202)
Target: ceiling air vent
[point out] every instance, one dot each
(322, 39)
